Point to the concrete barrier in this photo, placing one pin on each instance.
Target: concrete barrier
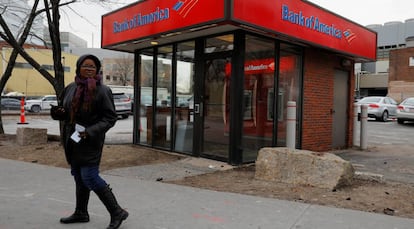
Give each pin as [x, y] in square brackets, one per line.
[31, 136]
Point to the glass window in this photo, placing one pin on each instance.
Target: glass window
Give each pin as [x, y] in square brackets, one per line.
[47, 67]
[219, 43]
[184, 110]
[162, 131]
[23, 65]
[145, 104]
[259, 68]
[290, 80]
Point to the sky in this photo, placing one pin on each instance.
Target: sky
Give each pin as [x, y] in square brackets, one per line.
[367, 12]
[84, 19]
[86, 22]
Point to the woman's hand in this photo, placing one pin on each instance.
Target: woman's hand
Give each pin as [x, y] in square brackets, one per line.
[83, 134]
[58, 112]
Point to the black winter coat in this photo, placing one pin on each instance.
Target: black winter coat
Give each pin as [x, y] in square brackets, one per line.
[101, 117]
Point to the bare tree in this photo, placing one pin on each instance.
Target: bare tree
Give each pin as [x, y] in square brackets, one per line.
[16, 41]
[12, 59]
[124, 68]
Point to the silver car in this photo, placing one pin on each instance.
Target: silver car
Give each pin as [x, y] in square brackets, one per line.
[405, 111]
[10, 104]
[379, 107]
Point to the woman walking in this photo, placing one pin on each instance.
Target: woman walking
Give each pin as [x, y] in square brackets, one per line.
[88, 112]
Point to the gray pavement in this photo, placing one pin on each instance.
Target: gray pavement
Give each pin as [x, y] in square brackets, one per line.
[35, 196]
[394, 162]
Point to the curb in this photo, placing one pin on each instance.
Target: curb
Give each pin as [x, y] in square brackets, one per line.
[367, 176]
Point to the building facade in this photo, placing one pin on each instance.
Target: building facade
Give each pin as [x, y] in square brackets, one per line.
[117, 69]
[214, 78]
[401, 74]
[27, 80]
[68, 41]
[387, 76]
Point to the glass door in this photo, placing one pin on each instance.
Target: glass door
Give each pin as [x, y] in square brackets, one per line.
[214, 108]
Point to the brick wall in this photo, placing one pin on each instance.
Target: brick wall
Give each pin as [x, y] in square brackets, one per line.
[319, 70]
[401, 74]
[399, 69]
[399, 90]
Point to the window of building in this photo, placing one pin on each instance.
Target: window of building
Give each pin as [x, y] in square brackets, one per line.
[145, 114]
[163, 111]
[115, 67]
[219, 43]
[411, 61]
[290, 81]
[259, 72]
[48, 67]
[184, 105]
[23, 65]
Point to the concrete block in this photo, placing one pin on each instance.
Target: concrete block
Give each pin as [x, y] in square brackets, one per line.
[31, 136]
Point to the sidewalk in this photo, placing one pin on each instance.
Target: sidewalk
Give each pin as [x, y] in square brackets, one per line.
[35, 196]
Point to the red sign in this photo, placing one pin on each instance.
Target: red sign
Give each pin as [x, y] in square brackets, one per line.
[295, 19]
[307, 22]
[264, 66]
[151, 17]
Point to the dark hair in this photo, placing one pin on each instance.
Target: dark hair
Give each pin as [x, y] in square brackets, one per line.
[88, 56]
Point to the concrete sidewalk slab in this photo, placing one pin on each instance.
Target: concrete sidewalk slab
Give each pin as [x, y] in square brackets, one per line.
[188, 166]
[35, 196]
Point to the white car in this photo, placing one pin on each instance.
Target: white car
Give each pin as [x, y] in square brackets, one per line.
[405, 111]
[44, 103]
[122, 104]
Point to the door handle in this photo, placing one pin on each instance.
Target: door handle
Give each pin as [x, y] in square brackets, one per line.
[197, 108]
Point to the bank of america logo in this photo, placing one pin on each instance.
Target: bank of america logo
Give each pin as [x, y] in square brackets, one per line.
[183, 7]
[349, 35]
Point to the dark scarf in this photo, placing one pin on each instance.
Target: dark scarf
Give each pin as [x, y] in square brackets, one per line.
[84, 93]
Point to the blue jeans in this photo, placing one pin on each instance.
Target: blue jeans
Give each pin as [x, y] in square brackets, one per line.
[88, 176]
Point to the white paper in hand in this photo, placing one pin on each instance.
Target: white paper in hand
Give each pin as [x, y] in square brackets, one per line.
[75, 136]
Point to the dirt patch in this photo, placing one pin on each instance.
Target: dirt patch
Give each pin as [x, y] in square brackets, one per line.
[114, 156]
[389, 198]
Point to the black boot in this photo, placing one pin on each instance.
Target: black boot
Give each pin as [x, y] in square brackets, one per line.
[117, 213]
[81, 212]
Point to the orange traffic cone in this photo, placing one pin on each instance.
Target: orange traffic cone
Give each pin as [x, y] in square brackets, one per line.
[22, 117]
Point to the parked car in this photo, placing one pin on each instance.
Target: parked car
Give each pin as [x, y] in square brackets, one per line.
[43, 103]
[405, 111]
[10, 104]
[122, 104]
[379, 107]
